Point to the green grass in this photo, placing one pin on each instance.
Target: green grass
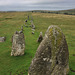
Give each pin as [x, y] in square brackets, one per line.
[10, 65]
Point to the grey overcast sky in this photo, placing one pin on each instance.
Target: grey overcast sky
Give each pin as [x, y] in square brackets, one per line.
[24, 5]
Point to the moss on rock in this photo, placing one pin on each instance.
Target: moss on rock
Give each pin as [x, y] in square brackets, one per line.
[52, 56]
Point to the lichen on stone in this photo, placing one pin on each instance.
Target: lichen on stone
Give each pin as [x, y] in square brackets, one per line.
[52, 54]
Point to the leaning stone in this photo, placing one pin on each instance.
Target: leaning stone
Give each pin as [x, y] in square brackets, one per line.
[52, 56]
[40, 37]
[18, 44]
[2, 39]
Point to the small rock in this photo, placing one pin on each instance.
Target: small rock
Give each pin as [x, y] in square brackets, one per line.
[26, 26]
[16, 32]
[20, 31]
[33, 29]
[33, 26]
[32, 32]
[2, 39]
[25, 20]
[40, 37]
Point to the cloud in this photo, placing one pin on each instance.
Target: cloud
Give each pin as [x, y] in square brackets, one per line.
[36, 4]
[11, 2]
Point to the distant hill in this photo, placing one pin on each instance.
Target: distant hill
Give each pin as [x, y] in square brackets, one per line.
[67, 12]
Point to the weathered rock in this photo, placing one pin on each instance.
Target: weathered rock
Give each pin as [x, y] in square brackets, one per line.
[21, 31]
[33, 29]
[2, 39]
[52, 56]
[25, 20]
[32, 32]
[40, 37]
[33, 26]
[18, 44]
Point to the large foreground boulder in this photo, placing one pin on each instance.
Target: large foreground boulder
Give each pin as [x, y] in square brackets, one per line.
[18, 44]
[52, 56]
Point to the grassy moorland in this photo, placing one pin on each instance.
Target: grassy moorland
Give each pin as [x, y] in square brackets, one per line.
[12, 21]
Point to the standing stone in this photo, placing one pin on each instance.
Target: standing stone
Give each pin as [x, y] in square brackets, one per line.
[18, 44]
[40, 37]
[32, 25]
[52, 56]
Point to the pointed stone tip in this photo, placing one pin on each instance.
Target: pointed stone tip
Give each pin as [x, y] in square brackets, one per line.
[54, 27]
[55, 34]
[53, 30]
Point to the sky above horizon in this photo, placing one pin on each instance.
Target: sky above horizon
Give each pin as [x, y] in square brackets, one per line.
[25, 5]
